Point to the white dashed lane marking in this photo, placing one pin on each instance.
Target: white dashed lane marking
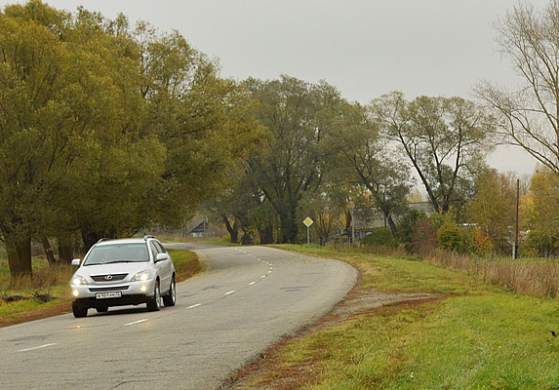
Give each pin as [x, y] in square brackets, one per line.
[34, 348]
[135, 322]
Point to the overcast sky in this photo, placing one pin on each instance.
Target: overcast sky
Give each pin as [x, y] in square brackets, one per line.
[365, 48]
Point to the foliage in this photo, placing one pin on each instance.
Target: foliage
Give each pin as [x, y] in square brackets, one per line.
[543, 217]
[423, 237]
[480, 243]
[299, 116]
[451, 237]
[382, 236]
[326, 214]
[444, 139]
[366, 160]
[407, 228]
[493, 207]
[200, 118]
[106, 131]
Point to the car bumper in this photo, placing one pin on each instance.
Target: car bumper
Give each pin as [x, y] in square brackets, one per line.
[133, 293]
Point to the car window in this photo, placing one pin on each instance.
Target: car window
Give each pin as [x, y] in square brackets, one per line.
[116, 253]
[160, 248]
[153, 250]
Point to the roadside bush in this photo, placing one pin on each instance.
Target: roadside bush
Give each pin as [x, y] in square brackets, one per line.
[480, 243]
[451, 237]
[423, 237]
[542, 244]
[407, 227]
[380, 237]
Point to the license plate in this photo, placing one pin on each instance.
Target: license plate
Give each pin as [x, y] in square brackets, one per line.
[106, 295]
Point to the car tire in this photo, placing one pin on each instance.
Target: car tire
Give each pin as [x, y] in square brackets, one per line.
[154, 303]
[102, 309]
[171, 298]
[79, 312]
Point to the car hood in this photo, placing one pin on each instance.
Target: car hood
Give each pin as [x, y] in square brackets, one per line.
[115, 268]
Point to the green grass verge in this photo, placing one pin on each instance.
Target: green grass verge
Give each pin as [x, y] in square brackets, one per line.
[187, 264]
[478, 337]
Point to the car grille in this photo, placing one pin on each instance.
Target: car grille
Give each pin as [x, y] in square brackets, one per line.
[109, 277]
[103, 289]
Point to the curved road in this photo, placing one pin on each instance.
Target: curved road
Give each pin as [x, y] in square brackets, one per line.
[247, 300]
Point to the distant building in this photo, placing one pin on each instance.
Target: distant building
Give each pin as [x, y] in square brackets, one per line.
[199, 231]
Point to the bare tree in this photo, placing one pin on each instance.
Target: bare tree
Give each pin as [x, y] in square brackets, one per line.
[446, 141]
[529, 117]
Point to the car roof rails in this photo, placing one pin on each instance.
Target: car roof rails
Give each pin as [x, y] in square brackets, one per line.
[148, 236]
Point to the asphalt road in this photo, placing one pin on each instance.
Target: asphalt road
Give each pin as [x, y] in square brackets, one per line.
[247, 300]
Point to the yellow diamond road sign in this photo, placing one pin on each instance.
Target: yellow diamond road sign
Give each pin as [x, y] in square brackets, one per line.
[308, 222]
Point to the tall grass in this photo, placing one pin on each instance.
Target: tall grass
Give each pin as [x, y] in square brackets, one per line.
[535, 277]
[527, 276]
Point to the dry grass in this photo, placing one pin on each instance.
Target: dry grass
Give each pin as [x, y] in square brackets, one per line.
[534, 277]
[43, 277]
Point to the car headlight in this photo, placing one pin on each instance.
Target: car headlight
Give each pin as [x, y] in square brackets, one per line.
[141, 276]
[78, 280]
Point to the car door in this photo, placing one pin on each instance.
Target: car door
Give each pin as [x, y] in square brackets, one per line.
[163, 267]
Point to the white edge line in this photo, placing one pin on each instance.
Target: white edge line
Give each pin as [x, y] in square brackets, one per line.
[135, 322]
[193, 306]
[40, 346]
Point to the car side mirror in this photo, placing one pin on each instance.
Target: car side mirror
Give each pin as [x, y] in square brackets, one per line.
[161, 257]
[76, 262]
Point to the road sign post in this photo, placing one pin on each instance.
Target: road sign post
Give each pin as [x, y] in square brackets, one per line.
[308, 222]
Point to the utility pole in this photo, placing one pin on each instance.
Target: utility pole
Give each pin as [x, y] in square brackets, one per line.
[515, 247]
[353, 226]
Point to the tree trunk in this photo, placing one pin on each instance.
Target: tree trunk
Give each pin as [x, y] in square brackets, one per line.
[392, 225]
[266, 235]
[233, 231]
[246, 239]
[89, 239]
[65, 249]
[288, 225]
[47, 248]
[19, 256]
[284, 229]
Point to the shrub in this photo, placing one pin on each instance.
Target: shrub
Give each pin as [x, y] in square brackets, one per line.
[423, 237]
[541, 243]
[450, 237]
[480, 243]
[407, 226]
[380, 237]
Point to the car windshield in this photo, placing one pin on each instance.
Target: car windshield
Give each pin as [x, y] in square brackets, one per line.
[117, 253]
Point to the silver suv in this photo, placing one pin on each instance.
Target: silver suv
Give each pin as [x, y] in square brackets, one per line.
[123, 272]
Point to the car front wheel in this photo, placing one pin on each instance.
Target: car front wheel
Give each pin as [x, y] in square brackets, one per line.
[154, 303]
[171, 298]
[79, 312]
